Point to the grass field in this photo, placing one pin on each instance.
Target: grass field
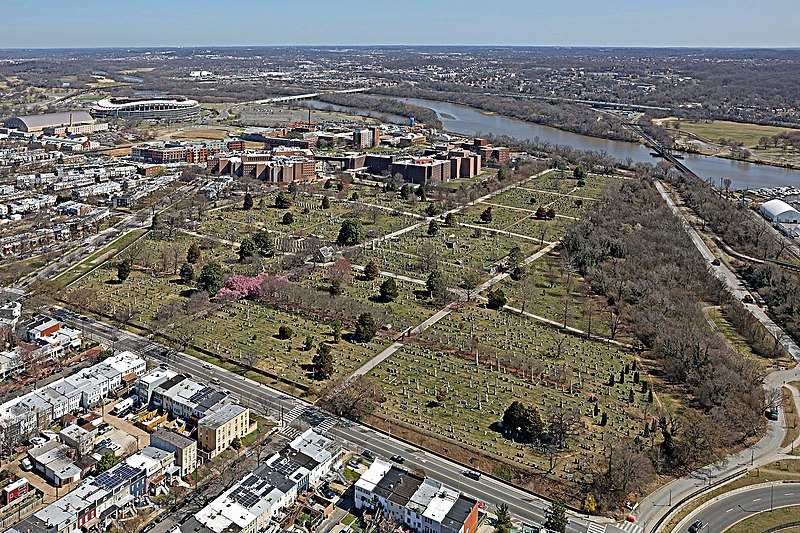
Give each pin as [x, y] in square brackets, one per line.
[201, 134]
[714, 130]
[768, 519]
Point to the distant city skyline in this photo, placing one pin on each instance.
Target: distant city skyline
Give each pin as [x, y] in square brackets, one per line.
[612, 23]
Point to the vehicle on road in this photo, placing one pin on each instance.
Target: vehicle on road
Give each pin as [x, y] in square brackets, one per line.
[368, 454]
[208, 366]
[398, 459]
[715, 262]
[696, 526]
[472, 474]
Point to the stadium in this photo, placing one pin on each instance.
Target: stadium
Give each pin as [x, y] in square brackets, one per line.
[152, 109]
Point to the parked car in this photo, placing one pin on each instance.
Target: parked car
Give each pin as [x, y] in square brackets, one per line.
[148, 527]
[353, 464]
[696, 526]
[715, 262]
[26, 464]
[398, 459]
[38, 441]
[368, 454]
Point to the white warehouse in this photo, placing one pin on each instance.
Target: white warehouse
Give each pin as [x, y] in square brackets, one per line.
[779, 211]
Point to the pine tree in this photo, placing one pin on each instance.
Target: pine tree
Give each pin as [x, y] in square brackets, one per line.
[556, 517]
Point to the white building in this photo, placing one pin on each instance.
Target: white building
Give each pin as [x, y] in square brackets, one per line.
[779, 211]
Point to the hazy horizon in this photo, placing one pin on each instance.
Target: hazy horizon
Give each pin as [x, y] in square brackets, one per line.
[46, 24]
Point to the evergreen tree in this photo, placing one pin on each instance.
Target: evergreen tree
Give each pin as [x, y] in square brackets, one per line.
[264, 243]
[388, 290]
[436, 285]
[486, 216]
[187, 272]
[555, 518]
[497, 299]
[450, 220]
[123, 270]
[193, 254]
[248, 202]
[433, 228]
[323, 362]
[326, 203]
[288, 219]
[366, 328]
[350, 233]
[247, 250]
[211, 279]
[504, 523]
[371, 271]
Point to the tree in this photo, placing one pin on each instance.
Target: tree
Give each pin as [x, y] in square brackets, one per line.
[247, 250]
[351, 233]
[504, 523]
[335, 288]
[555, 518]
[326, 202]
[248, 201]
[523, 421]
[388, 290]
[193, 254]
[551, 214]
[283, 201]
[579, 172]
[450, 220]
[264, 243]
[433, 228]
[469, 282]
[211, 279]
[123, 271]
[187, 273]
[497, 299]
[541, 213]
[436, 285]
[515, 256]
[366, 328]
[355, 400]
[108, 460]
[323, 362]
[336, 330]
[486, 216]
[288, 219]
[285, 332]
[371, 271]
[309, 343]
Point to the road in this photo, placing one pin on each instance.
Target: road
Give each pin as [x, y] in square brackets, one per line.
[283, 407]
[766, 450]
[729, 508]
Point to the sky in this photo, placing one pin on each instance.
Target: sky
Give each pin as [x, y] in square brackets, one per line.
[170, 23]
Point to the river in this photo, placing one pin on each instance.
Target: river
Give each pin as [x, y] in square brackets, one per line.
[469, 121]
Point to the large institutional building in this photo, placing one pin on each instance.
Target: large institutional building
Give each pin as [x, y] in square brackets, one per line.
[71, 122]
[177, 108]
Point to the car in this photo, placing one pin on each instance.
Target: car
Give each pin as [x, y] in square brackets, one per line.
[162, 517]
[208, 366]
[715, 262]
[26, 464]
[353, 464]
[472, 474]
[398, 459]
[266, 441]
[38, 441]
[148, 527]
[696, 526]
[215, 381]
[368, 454]
[481, 505]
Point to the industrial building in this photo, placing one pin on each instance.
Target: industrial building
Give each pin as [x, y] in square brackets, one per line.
[69, 122]
[168, 109]
[780, 212]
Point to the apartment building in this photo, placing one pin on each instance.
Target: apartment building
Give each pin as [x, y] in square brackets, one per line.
[216, 431]
[184, 448]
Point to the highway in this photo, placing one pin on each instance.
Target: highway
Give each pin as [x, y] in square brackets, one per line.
[727, 509]
[280, 406]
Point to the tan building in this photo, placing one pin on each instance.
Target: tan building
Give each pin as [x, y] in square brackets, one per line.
[218, 430]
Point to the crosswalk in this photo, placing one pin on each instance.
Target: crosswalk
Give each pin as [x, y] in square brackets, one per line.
[627, 527]
[326, 425]
[292, 415]
[596, 528]
[290, 432]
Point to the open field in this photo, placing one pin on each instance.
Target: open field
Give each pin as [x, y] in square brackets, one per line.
[216, 134]
[714, 130]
